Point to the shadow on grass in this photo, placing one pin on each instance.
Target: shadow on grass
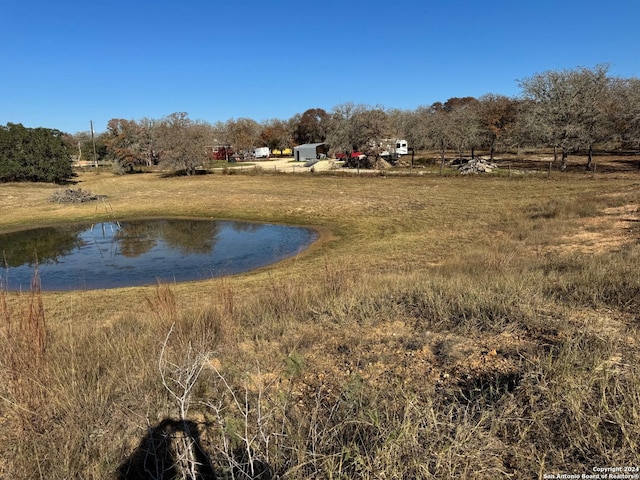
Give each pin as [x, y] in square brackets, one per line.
[173, 449]
[161, 454]
[184, 173]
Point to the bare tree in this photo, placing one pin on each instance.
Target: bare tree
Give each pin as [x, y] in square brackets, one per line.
[129, 143]
[633, 103]
[358, 128]
[183, 142]
[371, 127]
[340, 131]
[399, 123]
[463, 128]
[243, 134]
[431, 129]
[624, 111]
[568, 105]
[443, 126]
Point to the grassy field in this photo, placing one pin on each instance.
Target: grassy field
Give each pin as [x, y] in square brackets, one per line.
[443, 327]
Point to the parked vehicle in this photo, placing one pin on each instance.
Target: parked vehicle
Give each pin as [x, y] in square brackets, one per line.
[394, 148]
[344, 156]
[261, 152]
[285, 152]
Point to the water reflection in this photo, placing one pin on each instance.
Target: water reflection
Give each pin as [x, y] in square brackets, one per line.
[43, 245]
[191, 237]
[136, 238]
[139, 252]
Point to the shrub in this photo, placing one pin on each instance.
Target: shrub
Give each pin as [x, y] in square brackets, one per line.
[33, 155]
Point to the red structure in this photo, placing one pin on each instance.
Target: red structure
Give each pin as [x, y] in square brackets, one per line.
[220, 152]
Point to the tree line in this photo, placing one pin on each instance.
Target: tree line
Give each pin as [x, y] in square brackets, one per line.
[566, 110]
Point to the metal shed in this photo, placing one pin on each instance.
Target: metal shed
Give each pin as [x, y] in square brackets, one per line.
[310, 151]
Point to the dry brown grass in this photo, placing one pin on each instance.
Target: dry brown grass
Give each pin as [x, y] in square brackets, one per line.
[444, 327]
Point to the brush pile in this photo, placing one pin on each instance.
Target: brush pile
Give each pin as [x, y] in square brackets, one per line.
[69, 195]
[477, 165]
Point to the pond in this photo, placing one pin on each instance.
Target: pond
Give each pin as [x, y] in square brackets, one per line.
[143, 252]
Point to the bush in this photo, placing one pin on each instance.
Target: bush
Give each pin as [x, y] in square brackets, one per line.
[33, 155]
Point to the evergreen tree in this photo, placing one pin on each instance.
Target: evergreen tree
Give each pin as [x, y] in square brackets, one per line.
[33, 155]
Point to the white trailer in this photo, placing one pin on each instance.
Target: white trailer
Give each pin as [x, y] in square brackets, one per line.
[393, 148]
[261, 152]
[402, 148]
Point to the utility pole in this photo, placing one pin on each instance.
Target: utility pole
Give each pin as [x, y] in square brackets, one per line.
[93, 140]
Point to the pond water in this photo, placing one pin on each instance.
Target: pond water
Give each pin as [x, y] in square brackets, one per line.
[143, 252]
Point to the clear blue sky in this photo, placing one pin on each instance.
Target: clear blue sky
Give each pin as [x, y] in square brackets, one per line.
[66, 62]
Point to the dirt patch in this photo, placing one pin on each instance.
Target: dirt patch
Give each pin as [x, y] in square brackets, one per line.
[282, 165]
[392, 354]
[616, 227]
[602, 163]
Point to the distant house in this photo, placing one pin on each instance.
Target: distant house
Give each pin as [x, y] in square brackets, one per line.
[310, 151]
